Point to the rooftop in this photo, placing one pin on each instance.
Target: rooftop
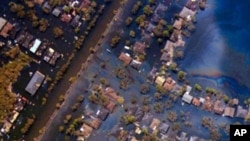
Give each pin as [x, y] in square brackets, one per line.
[126, 59]
[2, 22]
[187, 98]
[35, 83]
[229, 111]
[139, 47]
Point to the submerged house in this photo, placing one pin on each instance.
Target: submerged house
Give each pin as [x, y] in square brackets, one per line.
[125, 58]
[35, 83]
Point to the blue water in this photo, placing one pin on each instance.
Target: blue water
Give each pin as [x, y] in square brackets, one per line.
[219, 51]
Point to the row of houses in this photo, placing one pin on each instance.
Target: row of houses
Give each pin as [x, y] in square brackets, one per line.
[137, 50]
[37, 47]
[94, 118]
[7, 124]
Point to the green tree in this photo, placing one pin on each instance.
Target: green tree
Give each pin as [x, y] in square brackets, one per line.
[132, 33]
[58, 32]
[147, 10]
[197, 87]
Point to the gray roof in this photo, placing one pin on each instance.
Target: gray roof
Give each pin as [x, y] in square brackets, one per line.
[187, 98]
[241, 113]
[2, 22]
[164, 128]
[56, 12]
[35, 82]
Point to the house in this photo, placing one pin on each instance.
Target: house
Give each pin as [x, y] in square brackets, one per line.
[39, 1]
[110, 106]
[66, 18]
[196, 102]
[94, 122]
[175, 35]
[188, 89]
[75, 21]
[150, 27]
[85, 131]
[152, 74]
[2, 22]
[13, 118]
[47, 7]
[235, 101]
[6, 29]
[139, 114]
[168, 45]
[218, 107]
[102, 114]
[160, 9]
[6, 127]
[183, 136]
[125, 58]
[169, 84]
[160, 80]
[187, 98]
[48, 54]
[208, 104]
[178, 24]
[195, 138]
[35, 45]
[164, 128]
[135, 64]
[165, 57]
[85, 4]
[186, 13]
[192, 4]
[28, 40]
[15, 30]
[134, 139]
[229, 111]
[241, 113]
[111, 94]
[139, 48]
[57, 11]
[54, 58]
[35, 83]
[155, 124]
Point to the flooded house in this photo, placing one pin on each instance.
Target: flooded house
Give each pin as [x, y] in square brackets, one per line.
[219, 107]
[139, 48]
[35, 83]
[169, 84]
[6, 29]
[125, 58]
[241, 112]
[229, 112]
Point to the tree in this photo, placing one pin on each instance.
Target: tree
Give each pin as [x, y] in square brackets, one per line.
[93, 4]
[202, 5]
[132, 33]
[133, 100]
[128, 119]
[147, 10]
[157, 96]
[181, 75]
[151, 2]
[58, 32]
[80, 98]
[61, 128]
[115, 40]
[197, 87]
[165, 33]
[225, 98]
[173, 66]
[176, 127]
[172, 116]
[140, 19]
[144, 89]
[128, 21]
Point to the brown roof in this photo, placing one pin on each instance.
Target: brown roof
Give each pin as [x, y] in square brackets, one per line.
[66, 18]
[218, 107]
[155, 123]
[125, 58]
[111, 93]
[85, 4]
[139, 47]
[229, 111]
[196, 102]
[110, 106]
[178, 24]
[95, 123]
[208, 104]
[6, 29]
[169, 84]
